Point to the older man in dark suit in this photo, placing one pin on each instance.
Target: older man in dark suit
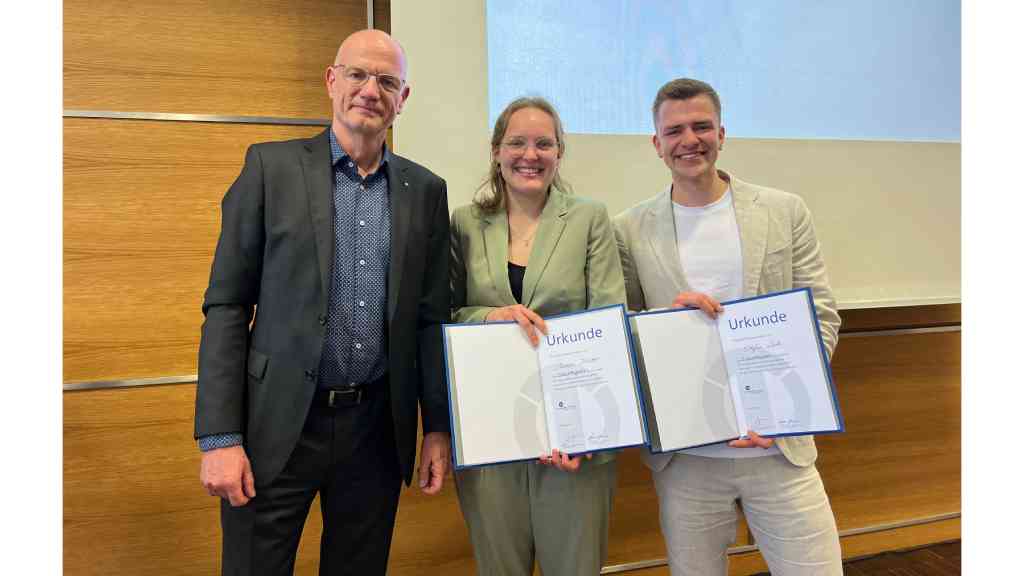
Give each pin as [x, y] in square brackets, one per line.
[322, 333]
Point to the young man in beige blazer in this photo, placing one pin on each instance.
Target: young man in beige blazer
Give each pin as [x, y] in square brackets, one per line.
[706, 238]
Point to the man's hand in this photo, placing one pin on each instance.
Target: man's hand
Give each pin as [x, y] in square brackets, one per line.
[434, 459]
[225, 472]
[528, 320]
[563, 462]
[754, 441]
[709, 305]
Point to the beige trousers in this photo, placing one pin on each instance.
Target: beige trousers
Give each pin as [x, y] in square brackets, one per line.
[524, 510]
[785, 506]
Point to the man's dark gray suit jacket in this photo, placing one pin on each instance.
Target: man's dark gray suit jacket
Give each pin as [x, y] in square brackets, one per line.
[257, 375]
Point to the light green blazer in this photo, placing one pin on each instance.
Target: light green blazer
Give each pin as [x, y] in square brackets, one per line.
[574, 263]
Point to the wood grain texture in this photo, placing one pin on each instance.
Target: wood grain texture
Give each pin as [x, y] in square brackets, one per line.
[382, 15]
[900, 317]
[900, 454]
[133, 501]
[259, 58]
[141, 218]
[853, 547]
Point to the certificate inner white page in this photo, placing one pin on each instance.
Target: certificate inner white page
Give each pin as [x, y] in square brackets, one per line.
[686, 378]
[775, 366]
[497, 385]
[587, 381]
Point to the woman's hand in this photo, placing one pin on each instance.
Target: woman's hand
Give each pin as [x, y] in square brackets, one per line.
[531, 323]
[753, 440]
[563, 461]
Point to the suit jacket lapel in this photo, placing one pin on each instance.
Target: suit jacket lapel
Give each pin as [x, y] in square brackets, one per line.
[400, 199]
[549, 231]
[662, 224]
[752, 221]
[316, 166]
[495, 233]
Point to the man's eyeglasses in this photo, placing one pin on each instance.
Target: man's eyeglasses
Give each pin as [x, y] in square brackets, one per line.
[358, 76]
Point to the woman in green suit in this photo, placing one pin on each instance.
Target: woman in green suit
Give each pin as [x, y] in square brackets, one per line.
[524, 249]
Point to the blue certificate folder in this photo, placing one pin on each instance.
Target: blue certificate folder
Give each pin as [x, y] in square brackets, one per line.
[578, 391]
[760, 366]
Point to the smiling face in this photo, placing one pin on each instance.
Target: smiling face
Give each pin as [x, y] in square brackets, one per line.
[688, 138]
[366, 110]
[529, 152]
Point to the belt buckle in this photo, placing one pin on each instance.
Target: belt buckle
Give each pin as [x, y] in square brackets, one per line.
[345, 397]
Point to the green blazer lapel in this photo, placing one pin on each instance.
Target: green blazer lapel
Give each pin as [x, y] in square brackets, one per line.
[400, 200]
[753, 223]
[552, 223]
[495, 233]
[316, 166]
[661, 224]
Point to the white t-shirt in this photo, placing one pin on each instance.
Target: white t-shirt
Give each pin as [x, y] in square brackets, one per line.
[708, 240]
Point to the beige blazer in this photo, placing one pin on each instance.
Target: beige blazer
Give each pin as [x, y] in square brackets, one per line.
[780, 252]
[574, 263]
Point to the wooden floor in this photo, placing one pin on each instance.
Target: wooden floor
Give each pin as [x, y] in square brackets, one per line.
[941, 559]
[935, 560]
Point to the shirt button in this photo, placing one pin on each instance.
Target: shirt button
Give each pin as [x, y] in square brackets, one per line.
[362, 303]
[362, 187]
[362, 262]
[359, 346]
[362, 222]
[350, 164]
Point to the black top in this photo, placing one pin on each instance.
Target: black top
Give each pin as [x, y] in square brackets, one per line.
[515, 280]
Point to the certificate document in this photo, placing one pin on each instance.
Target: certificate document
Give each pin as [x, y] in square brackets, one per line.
[760, 366]
[577, 391]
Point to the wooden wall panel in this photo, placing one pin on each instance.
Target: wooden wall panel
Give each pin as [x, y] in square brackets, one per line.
[900, 317]
[382, 15]
[141, 218]
[133, 501]
[259, 57]
[900, 455]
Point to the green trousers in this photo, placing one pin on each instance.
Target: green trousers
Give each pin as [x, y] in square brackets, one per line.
[523, 511]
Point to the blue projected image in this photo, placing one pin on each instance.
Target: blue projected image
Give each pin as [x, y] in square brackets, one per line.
[828, 69]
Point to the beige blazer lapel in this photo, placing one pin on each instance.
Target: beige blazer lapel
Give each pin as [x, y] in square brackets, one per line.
[752, 221]
[495, 234]
[661, 222]
[549, 231]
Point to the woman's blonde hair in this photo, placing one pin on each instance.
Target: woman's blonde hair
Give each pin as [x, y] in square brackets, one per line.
[491, 195]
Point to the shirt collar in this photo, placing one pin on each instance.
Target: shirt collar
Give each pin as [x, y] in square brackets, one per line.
[338, 153]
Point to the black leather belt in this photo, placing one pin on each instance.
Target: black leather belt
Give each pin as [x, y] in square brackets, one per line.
[347, 396]
[340, 398]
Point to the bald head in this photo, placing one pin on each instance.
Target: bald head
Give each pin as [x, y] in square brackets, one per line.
[367, 87]
[371, 43]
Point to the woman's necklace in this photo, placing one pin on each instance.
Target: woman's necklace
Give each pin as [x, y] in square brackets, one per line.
[517, 237]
